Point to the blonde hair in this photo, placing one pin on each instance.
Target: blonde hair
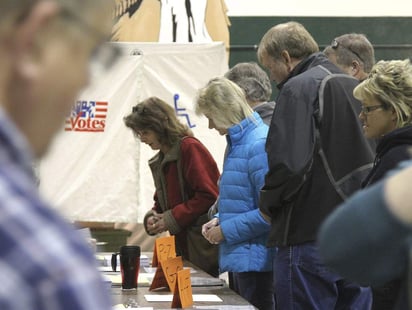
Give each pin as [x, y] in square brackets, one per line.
[390, 82]
[224, 102]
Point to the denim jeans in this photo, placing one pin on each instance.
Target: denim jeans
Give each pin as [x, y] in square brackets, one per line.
[255, 287]
[302, 282]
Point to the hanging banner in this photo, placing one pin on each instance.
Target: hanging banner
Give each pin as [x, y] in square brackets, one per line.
[96, 170]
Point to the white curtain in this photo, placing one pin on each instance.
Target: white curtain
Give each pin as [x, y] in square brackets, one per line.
[96, 170]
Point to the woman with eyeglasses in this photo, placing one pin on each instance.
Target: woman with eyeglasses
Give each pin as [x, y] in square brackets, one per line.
[386, 114]
[185, 177]
[386, 96]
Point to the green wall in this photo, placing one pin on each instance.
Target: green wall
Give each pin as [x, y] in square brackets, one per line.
[391, 36]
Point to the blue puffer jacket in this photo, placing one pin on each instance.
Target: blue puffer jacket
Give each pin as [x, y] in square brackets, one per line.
[244, 229]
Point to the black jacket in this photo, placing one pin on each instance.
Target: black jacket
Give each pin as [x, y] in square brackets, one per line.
[265, 111]
[391, 150]
[299, 190]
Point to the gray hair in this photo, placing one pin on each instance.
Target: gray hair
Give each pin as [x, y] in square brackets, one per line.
[291, 37]
[348, 47]
[252, 79]
[390, 82]
[224, 102]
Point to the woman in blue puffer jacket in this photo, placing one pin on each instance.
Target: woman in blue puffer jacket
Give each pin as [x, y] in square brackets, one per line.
[239, 228]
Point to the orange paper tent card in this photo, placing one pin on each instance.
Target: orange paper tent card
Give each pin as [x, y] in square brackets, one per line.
[166, 273]
[182, 296]
[164, 248]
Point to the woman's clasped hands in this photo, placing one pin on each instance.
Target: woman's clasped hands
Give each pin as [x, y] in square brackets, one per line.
[212, 231]
[156, 224]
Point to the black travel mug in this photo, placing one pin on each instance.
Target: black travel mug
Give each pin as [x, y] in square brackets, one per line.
[129, 265]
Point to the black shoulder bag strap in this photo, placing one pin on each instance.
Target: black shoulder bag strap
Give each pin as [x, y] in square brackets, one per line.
[318, 114]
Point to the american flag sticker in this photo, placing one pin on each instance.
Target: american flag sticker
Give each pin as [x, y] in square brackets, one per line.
[87, 116]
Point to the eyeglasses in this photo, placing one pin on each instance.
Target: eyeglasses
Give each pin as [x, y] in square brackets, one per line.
[105, 55]
[335, 44]
[367, 110]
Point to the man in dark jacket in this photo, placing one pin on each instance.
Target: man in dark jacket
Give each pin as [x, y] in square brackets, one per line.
[317, 157]
[352, 53]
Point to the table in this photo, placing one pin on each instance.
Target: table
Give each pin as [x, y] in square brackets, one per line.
[229, 297]
[202, 283]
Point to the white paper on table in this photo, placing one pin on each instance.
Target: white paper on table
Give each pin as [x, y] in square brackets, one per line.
[105, 268]
[226, 307]
[116, 278]
[196, 297]
[121, 307]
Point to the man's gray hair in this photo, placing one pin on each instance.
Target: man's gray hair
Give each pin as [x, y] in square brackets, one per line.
[252, 79]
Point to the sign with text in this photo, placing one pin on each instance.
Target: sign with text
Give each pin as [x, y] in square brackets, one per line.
[166, 273]
[183, 296]
[164, 248]
[95, 144]
[170, 268]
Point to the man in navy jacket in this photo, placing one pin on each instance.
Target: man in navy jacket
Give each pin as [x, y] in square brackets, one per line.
[317, 157]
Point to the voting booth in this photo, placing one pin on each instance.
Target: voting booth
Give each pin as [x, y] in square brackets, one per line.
[96, 170]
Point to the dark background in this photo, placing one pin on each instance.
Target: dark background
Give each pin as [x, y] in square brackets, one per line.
[390, 36]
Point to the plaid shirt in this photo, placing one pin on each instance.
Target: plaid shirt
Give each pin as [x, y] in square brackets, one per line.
[44, 262]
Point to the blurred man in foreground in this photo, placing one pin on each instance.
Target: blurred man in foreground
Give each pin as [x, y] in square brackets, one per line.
[45, 50]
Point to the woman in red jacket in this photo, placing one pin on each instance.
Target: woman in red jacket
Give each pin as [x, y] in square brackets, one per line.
[185, 177]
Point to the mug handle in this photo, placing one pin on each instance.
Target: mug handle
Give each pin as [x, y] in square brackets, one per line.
[114, 261]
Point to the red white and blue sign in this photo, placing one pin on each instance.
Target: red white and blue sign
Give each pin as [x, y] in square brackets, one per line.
[87, 116]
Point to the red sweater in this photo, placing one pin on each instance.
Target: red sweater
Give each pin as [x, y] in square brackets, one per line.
[201, 174]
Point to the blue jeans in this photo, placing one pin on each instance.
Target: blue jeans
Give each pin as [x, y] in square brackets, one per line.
[302, 282]
[255, 287]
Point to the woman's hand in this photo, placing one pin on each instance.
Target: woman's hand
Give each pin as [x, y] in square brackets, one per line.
[156, 224]
[207, 226]
[212, 231]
